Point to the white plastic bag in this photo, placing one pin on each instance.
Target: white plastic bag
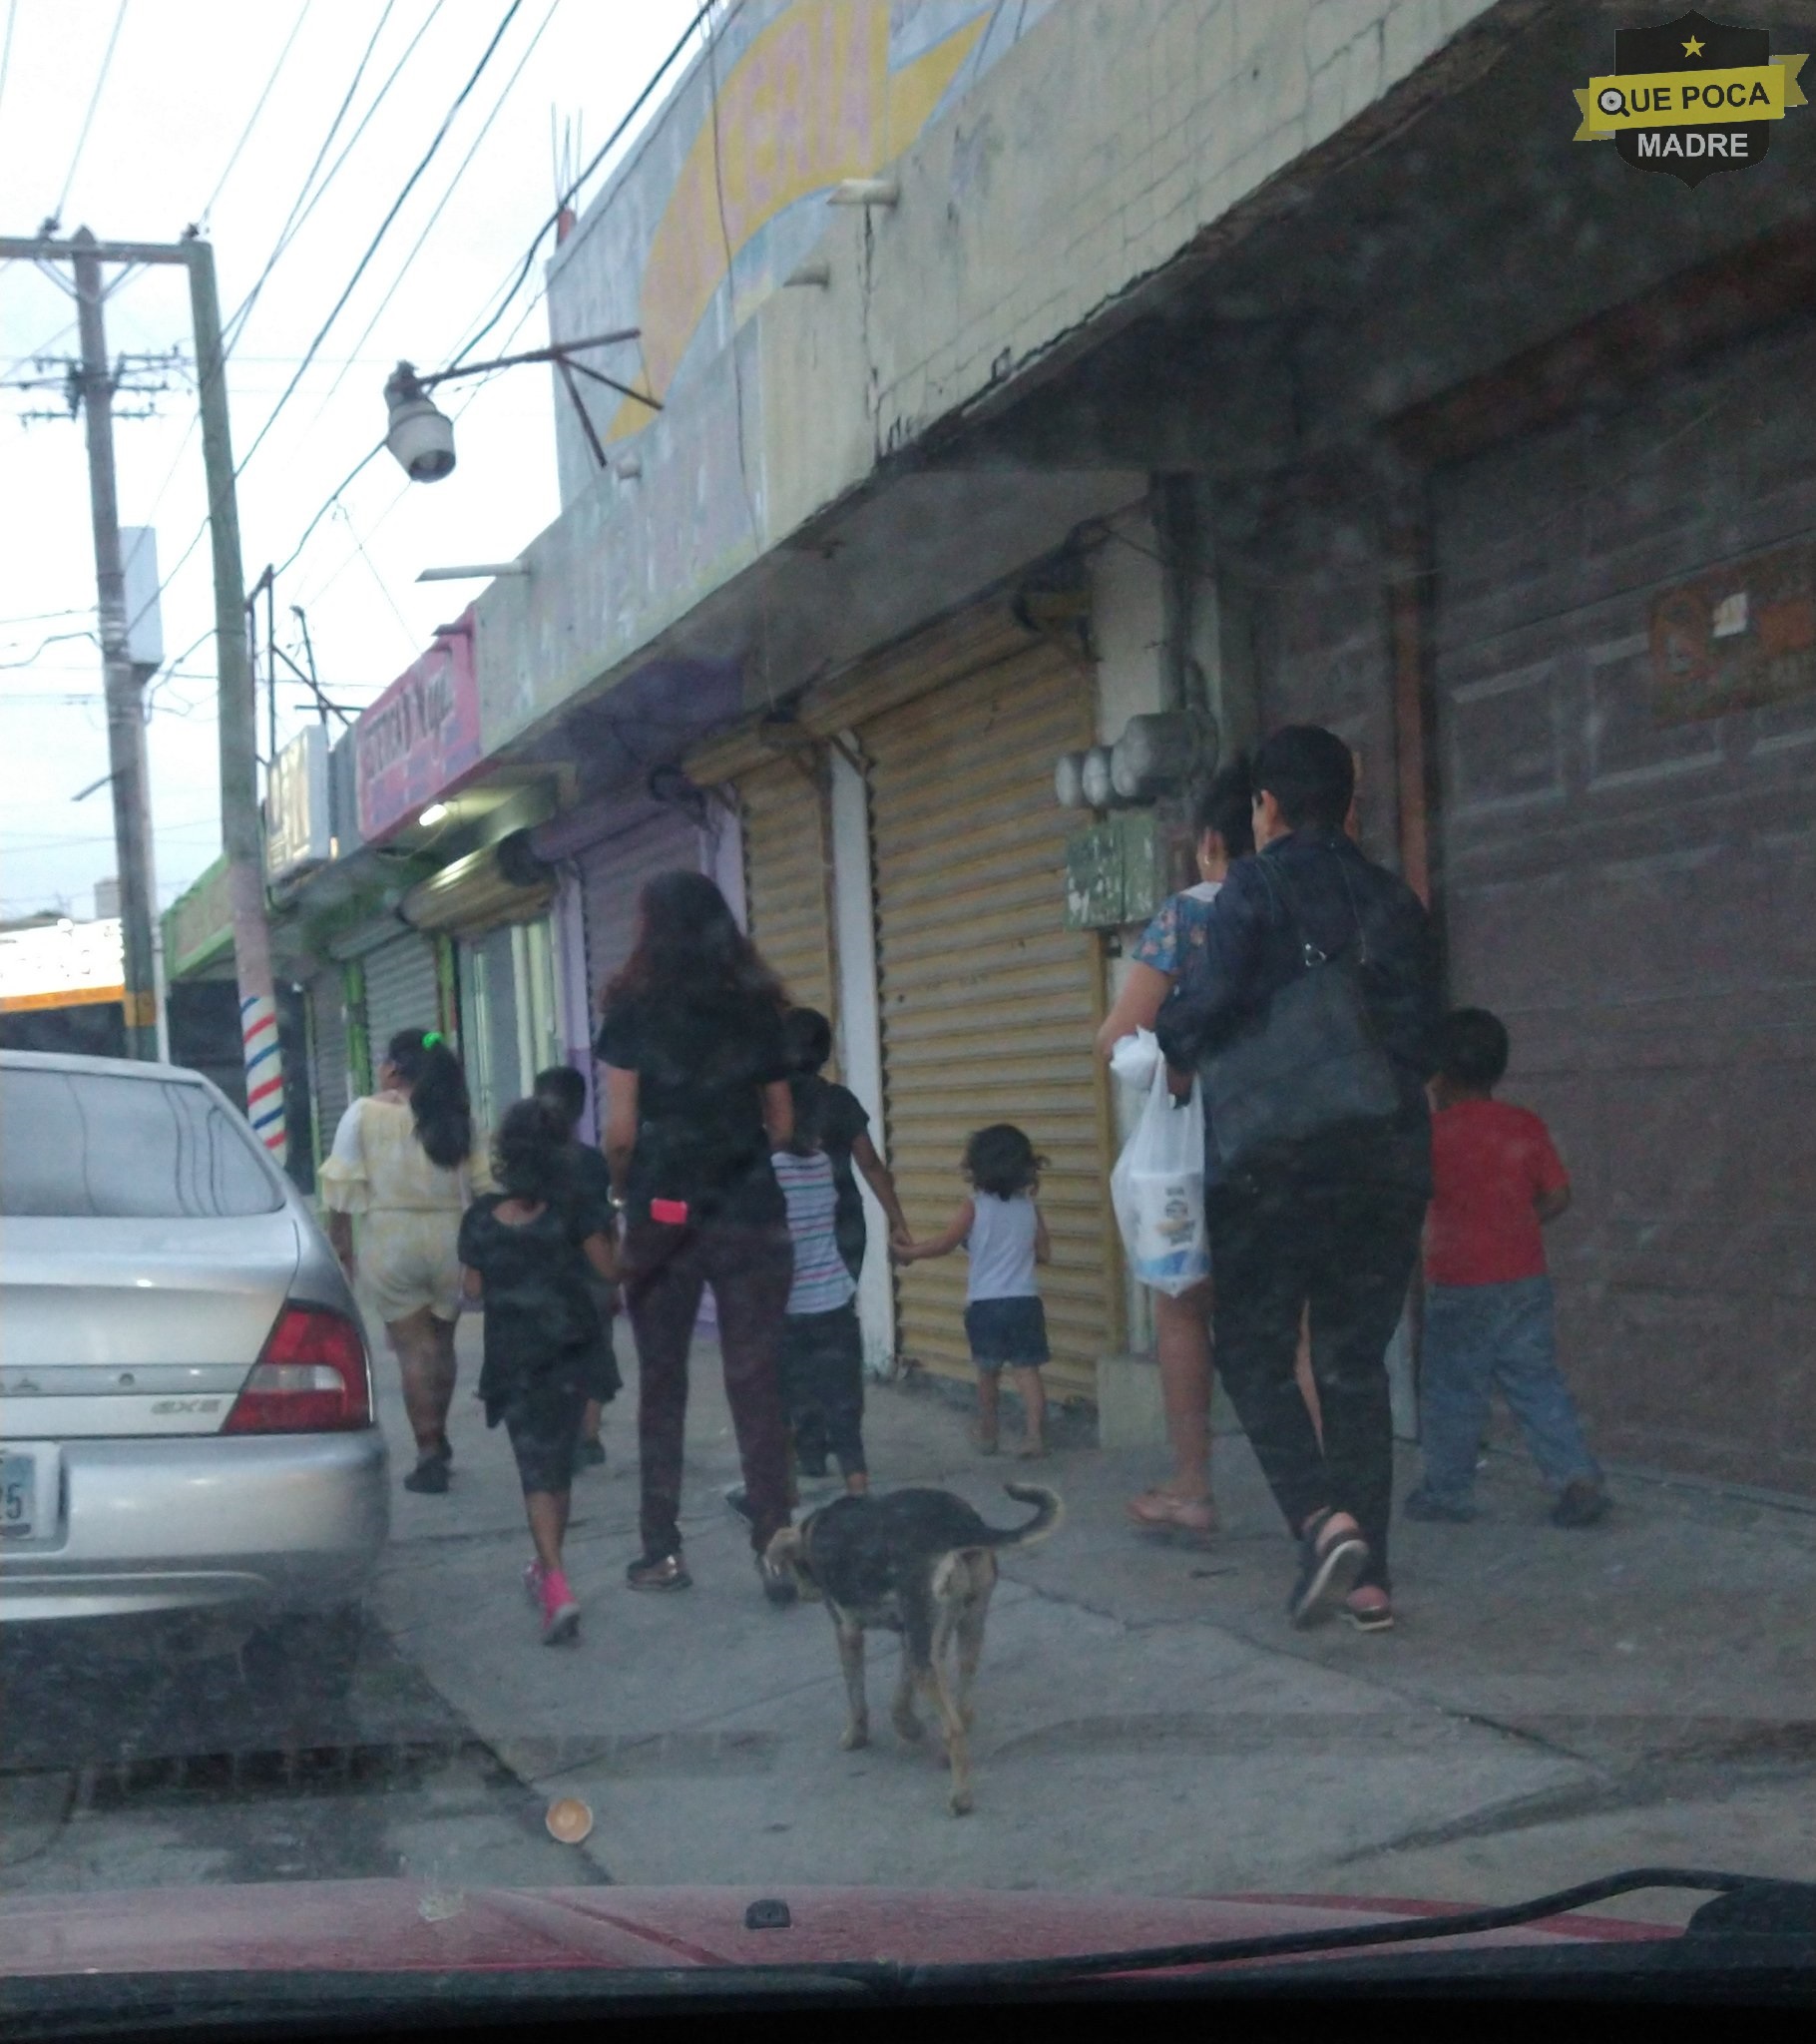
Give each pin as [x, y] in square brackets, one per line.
[1136, 1058]
[1158, 1190]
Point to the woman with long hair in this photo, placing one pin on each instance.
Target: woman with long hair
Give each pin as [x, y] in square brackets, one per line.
[406, 1163]
[696, 1100]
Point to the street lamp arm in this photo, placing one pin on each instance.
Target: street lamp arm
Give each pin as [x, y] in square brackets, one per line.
[421, 436]
[535, 355]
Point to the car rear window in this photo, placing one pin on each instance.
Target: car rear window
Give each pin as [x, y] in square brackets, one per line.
[83, 1143]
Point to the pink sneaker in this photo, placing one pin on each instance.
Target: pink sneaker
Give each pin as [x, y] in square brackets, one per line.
[560, 1610]
[533, 1584]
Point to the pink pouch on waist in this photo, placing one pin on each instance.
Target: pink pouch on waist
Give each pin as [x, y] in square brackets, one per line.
[670, 1213]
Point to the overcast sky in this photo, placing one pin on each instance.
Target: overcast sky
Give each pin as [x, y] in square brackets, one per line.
[176, 102]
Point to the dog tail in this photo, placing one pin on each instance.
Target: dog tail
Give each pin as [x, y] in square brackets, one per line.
[1051, 1511]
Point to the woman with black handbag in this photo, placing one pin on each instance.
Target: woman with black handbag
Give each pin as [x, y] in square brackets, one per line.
[1307, 1011]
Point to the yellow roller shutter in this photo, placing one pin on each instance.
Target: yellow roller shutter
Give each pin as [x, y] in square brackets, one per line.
[788, 876]
[988, 1004]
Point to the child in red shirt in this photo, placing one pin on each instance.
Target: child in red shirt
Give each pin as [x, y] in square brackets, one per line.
[1489, 1321]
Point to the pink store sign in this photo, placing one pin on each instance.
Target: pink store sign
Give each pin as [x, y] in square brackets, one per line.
[421, 738]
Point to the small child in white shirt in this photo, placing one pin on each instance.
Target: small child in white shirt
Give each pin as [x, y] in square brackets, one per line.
[1003, 1233]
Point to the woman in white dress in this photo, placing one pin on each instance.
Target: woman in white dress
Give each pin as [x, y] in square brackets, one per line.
[406, 1164]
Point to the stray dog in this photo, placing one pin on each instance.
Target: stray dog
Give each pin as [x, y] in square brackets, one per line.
[923, 1564]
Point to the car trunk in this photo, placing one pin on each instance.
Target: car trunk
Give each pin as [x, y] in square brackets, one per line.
[136, 1327]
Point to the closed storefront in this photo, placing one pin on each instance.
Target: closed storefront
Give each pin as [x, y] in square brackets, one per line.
[787, 877]
[331, 1055]
[988, 1003]
[950, 852]
[401, 989]
[1625, 676]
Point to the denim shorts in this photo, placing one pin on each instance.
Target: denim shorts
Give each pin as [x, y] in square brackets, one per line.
[1010, 1332]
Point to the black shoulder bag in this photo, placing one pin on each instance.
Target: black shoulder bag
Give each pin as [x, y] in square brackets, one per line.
[1311, 1064]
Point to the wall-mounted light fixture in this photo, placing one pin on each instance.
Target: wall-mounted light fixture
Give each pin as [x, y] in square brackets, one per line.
[808, 274]
[627, 467]
[865, 191]
[480, 571]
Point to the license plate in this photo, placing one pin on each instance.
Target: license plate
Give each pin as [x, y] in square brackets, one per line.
[18, 1496]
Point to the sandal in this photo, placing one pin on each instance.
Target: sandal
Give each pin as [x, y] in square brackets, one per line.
[1369, 1609]
[1328, 1570]
[1159, 1511]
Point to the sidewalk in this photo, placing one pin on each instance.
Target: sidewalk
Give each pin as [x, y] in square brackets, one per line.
[1553, 1705]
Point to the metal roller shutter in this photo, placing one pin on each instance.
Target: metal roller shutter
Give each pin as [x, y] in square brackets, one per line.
[788, 876]
[988, 1004]
[612, 876]
[331, 1074]
[1627, 884]
[402, 990]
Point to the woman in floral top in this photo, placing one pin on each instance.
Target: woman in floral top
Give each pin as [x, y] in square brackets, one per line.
[1224, 830]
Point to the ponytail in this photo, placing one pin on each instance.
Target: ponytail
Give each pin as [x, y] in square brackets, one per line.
[438, 1094]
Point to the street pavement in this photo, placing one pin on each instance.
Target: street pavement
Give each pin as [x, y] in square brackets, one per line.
[1553, 1706]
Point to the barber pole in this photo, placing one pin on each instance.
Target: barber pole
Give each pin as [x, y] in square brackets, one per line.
[264, 1075]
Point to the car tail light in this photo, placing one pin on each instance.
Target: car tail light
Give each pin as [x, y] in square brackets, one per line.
[312, 1377]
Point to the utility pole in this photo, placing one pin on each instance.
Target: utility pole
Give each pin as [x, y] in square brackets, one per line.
[125, 705]
[239, 821]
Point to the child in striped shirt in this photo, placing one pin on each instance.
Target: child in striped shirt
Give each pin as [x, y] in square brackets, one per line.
[821, 1355]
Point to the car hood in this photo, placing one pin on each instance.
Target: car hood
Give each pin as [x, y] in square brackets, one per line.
[391, 1926]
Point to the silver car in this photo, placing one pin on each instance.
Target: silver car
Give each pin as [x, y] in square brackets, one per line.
[185, 1396]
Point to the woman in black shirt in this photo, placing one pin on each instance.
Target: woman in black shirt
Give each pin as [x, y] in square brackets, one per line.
[696, 1099]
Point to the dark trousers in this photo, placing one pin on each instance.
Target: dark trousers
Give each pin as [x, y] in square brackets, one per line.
[1348, 1251]
[751, 1269]
[813, 1440]
[822, 1371]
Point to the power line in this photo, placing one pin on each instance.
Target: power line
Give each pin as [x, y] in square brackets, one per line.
[252, 118]
[55, 639]
[428, 226]
[243, 312]
[488, 320]
[299, 213]
[384, 226]
[384, 588]
[599, 156]
[6, 48]
[88, 118]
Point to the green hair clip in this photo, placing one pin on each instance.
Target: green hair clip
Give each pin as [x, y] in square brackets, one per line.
[430, 1038]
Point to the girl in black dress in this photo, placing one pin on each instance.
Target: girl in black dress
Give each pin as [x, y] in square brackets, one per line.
[528, 1251]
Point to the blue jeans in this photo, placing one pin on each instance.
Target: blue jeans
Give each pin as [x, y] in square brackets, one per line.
[1478, 1336]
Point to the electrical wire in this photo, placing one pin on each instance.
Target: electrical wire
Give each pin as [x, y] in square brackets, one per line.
[88, 118]
[246, 134]
[384, 588]
[384, 226]
[299, 213]
[488, 320]
[636, 106]
[429, 225]
[6, 48]
[243, 312]
[55, 639]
